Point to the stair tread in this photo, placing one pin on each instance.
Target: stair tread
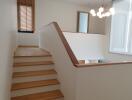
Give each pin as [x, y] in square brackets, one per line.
[46, 55]
[41, 96]
[28, 46]
[33, 63]
[34, 73]
[29, 52]
[26, 85]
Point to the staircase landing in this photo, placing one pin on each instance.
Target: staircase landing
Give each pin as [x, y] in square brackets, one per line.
[30, 51]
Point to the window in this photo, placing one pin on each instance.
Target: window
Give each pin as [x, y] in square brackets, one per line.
[83, 22]
[26, 14]
[121, 33]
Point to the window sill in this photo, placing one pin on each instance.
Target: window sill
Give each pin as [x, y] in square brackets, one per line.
[25, 31]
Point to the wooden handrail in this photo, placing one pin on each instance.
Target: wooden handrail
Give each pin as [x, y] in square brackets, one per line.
[81, 33]
[73, 57]
[66, 45]
[103, 64]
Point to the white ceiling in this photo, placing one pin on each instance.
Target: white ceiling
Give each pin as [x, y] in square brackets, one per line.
[92, 3]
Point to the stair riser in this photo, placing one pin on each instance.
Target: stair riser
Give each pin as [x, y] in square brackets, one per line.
[34, 90]
[30, 59]
[33, 68]
[33, 78]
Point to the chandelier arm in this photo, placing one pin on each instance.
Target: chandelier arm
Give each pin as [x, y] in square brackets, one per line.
[101, 11]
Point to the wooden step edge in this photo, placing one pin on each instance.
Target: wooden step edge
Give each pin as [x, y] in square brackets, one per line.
[28, 46]
[34, 73]
[34, 84]
[49, 55]
[51, 95]
[21, 64]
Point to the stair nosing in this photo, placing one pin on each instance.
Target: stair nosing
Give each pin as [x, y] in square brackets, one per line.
[35, 86]
[53, 72]
[33, 63]
[28, 46]
[33, 56]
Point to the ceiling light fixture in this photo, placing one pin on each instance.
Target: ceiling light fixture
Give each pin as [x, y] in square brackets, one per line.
[101, 13]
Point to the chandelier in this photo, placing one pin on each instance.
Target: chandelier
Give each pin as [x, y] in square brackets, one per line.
[102, 12]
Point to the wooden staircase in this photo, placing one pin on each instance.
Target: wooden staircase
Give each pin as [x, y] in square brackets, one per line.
[34, 76]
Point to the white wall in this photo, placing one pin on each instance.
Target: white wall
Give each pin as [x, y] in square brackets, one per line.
[97, 25]
[64, 13]
[106, 82]
[7, 45]
[111, 82]
[86, 46]
[94, 46]
[27, 39]
[66, 72]
[52, 10]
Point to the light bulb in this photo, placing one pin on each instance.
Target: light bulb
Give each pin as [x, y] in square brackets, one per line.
[98, 14]
[94, 15]
[112, 11]
[107, 14]
[92, 11]
[101, 9]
